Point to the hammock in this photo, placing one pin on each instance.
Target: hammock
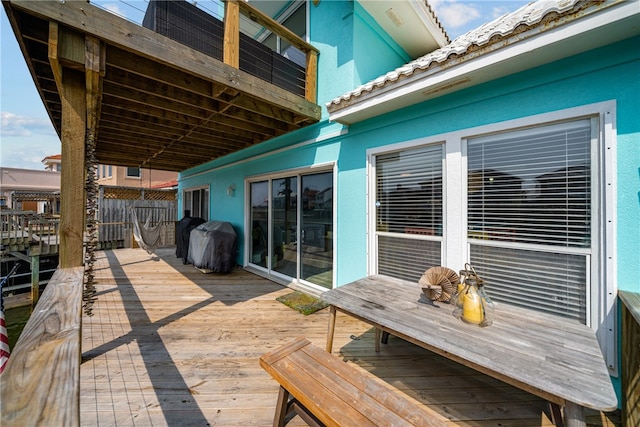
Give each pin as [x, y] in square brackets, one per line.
[148, 237]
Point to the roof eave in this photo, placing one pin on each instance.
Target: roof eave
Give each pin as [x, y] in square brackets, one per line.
[521, 51]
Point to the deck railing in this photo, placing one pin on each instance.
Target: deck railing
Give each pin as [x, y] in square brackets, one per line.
[114, 235]
[44, 234]
[223, 39]
[630, 358]
[232, 40]
[41, 382]
[22, 230]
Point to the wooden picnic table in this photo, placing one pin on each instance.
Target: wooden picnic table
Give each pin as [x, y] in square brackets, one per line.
[554, 358]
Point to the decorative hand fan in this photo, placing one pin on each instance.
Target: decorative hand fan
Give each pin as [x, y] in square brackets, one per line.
[438, 283]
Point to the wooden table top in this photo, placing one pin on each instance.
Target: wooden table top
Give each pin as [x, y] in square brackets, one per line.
[557, 359]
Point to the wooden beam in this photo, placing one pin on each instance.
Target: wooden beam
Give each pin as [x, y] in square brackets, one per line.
[310, 88]
[56, 68]
[72, 176]
[89, 19]
[71, 49]
[231, 54]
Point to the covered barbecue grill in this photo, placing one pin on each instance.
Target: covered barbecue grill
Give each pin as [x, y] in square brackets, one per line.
[213, 246]
[183, 232]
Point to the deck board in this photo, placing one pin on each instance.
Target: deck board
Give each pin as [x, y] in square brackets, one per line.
[170, 346]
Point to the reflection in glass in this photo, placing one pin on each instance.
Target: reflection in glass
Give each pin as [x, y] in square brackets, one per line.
[316, 232]
[259, 223]
[285, 225]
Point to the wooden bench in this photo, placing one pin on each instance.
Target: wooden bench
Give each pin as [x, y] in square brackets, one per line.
[324, 390]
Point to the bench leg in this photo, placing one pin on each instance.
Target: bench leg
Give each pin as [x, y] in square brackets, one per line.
[555, 412]
[332, 328]
[574, 415]
[385, 338]
[281, 408]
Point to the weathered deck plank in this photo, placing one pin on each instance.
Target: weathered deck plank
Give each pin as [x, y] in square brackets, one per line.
[168, 345]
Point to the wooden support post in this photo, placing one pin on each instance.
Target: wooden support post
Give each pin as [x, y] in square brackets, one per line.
[574, 415]
[311, 76]
[72, 178]
[35, 277]
[231, 55]
[71, 87]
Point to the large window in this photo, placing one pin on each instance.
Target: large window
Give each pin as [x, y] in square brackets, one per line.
[294, 18]
[529, 216]
[196, 201]
[291, 222]
[527, 202]
[409, 211]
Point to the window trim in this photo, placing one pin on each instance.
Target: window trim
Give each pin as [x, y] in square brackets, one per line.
[207, 188]
[126, 173]
[372, 232]
[602, 308]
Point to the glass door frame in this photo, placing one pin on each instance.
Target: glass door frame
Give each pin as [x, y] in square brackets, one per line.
[268, 271]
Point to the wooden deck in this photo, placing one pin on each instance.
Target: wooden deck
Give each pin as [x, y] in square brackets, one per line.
[168, 345]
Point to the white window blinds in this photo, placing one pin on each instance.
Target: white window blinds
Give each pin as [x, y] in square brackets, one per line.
[409, 211]
[529, 216]
[409, 191]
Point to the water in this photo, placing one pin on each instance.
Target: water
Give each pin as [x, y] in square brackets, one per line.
[16, 318]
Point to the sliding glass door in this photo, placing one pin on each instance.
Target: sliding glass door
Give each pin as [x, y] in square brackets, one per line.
[285, 225]
[317, 229]
[292, 226]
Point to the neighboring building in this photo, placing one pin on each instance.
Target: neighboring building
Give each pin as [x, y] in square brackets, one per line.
[515, 148]
[120, 176]
[53, 163]
[30, 190]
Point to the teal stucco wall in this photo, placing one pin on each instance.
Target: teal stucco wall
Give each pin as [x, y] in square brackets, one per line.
[605, 74]
[353, 48]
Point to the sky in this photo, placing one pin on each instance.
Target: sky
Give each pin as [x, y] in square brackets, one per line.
[27, 135]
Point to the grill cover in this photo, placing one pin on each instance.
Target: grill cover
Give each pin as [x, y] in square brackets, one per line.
[183, 231]
[213, 245]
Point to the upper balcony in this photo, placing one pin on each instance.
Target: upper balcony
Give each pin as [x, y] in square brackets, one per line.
[180, 90]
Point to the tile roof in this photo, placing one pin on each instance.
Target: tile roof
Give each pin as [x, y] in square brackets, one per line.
[534, 14]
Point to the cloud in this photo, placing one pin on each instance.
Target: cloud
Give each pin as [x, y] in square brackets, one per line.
[26, 140]
[497, 12]
[113, 8]
[15, 125]
[453, 14]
